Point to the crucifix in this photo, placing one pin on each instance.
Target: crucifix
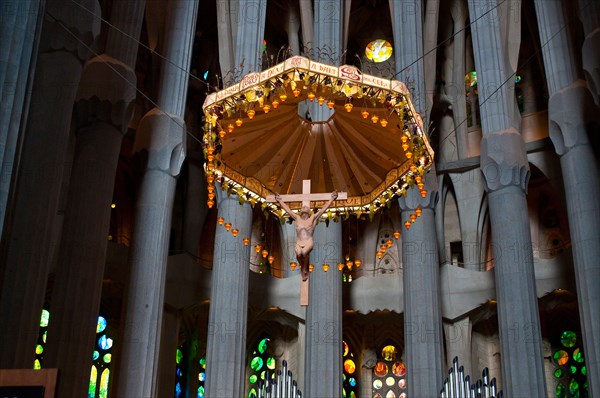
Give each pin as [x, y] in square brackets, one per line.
[305, 226]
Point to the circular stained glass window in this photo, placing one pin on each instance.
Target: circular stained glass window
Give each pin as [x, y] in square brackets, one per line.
[583, 370]
[560, 357]
[380, 369]
[96, 355]
[349, 366]
[201, 392]
[403, 395]
[568, 338]
[107, 358]
[262, 346]
[379, 50]
[390, 394]
[558, 373]
[39, 349]
[271, 363]
[202, 376]
[352, 382]
[101, 325]
[471, 79]
[377, 384]
[256, 364]
[399, 369]
[253, 379]
[577, 356]
[345, 348]
[202, 362]
[389, 353]
[390, 381]
[402, 384]
[106, 342]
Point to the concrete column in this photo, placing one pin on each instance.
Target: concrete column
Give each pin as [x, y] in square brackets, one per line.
[323, 366]
[226, 346]
[251, 16]
[195, 198]
[570, 108]
[423, 343]
[29, 238]
[506, 173]
[457, 91]
[103, 111]
[20, 31]
[287, 237]
[458, 344]
[327, 30]
[292, 27]
[161, 135]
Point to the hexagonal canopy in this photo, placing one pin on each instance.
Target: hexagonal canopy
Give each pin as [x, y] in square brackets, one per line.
[301, 119]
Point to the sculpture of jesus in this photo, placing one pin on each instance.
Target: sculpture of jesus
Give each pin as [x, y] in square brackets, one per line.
[305, 227]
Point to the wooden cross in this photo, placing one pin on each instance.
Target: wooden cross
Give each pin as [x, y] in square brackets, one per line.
[306, 197]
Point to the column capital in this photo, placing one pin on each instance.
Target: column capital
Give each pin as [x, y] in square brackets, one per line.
[413, 198]
[162, 136]
[79, 18]
[504, 160]
[107, 92]
[569, 110]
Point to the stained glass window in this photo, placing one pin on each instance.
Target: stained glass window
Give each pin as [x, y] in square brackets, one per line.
[262, 365]
[389, 374]
[350, 376]
[101, 355]
[201, 377]
[570, 373]
[379, 50]
[179, 372]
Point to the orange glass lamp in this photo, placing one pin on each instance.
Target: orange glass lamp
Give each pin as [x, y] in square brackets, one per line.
[397, 234]
[325, 267]
[220, 220]
[271, 259]
[235, 232]
[340, 266]
[407, 224]
[258, 248]
[293, 265]
[311, 267]
[265, 253]
[251, 113]
[246, 241]
[227, 226]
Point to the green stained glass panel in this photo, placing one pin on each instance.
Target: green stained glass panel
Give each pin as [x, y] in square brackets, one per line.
[95, 355]
[352, 394]
[256, 364]
[263, 374]
[104, 383]
[37, 364]
[107, 358]
[583, 370]
[178, 356]
[572, 369]
[201, 392]
[343, 392]
[44, 336]
[39, 349]
[253, 379]
[577, 355]
[101, 325]
[202, 362]
[558, 373]
[262, 346]
[574, 388]
[252, 393]
[561, 391]
[201, 376]
[271, 363]
[93, 379]
[45, 318]
[568, 338]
